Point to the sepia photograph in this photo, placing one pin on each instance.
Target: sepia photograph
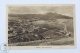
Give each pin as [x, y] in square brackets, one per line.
[41, 25]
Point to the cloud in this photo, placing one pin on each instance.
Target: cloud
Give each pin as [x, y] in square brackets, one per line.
[66, 10]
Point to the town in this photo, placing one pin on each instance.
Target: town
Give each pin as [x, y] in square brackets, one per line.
[24, 31]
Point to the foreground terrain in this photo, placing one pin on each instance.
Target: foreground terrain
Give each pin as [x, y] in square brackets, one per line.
[48, 42]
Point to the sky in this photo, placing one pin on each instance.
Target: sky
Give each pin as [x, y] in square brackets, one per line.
[65, 10]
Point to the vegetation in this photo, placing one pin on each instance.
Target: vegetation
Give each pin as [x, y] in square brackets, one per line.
[47, 29]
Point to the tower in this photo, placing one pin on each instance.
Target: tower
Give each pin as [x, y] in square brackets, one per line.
[65, 27]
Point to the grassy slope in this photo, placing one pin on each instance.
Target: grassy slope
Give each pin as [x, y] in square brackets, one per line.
[49, 42]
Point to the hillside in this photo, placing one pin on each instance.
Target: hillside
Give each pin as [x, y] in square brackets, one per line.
[48, 15]
[49, 42]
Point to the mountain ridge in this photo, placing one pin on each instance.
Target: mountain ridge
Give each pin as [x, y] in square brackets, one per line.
[48, 15]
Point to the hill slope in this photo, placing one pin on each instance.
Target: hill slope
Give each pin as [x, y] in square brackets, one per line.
[45, 16]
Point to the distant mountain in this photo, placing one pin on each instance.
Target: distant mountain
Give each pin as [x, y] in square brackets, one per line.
[48, 15]
[56, 15]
